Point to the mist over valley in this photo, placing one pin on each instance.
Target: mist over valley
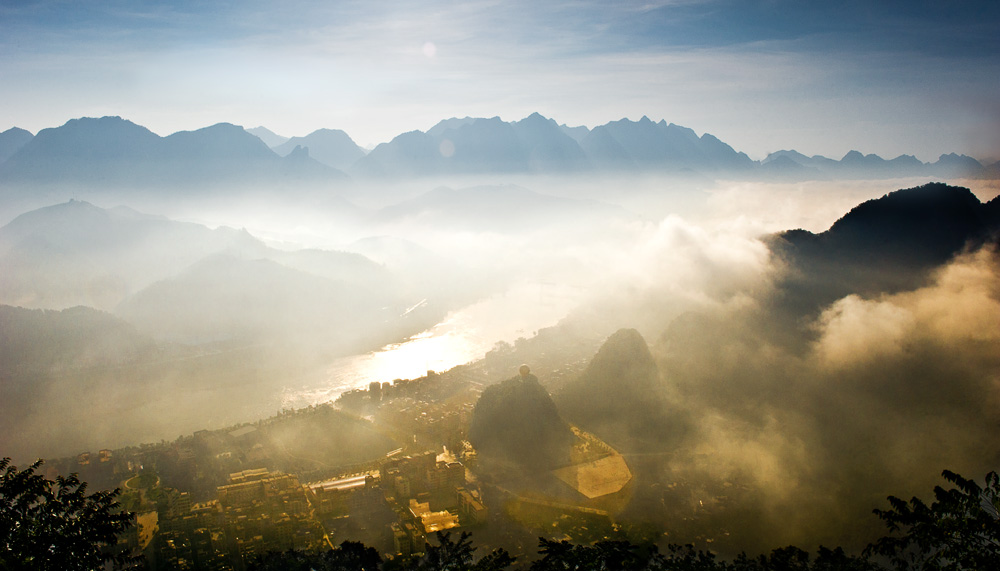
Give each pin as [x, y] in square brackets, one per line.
[759, 351]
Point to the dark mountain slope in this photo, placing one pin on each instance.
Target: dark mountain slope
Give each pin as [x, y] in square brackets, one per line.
[884, 245]
[516, 422]
[621, 397]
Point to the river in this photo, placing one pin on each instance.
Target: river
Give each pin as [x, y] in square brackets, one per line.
[464, 335]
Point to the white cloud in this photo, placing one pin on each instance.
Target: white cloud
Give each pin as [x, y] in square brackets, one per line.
[959, 312]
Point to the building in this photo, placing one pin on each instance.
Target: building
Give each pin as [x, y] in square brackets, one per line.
[471, 508]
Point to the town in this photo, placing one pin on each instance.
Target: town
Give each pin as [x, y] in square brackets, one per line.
[388, 465]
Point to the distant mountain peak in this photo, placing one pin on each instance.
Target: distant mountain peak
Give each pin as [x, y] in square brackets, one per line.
[12, 140]
[270, 138]
[17, 131]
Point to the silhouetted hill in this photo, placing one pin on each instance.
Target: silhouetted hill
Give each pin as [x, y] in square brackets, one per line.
[516, 422]
[621, 397]
[111, 152]
[922, 225]
[331, 147]
[887, 244]
[12, 140]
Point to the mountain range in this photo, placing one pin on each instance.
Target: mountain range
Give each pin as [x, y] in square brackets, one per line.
[331, 147]
[111, 151]
[855, 165]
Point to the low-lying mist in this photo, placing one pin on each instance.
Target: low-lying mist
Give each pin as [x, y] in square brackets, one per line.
[789, 422]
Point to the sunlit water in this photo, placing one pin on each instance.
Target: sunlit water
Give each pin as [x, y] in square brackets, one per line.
[463, 336]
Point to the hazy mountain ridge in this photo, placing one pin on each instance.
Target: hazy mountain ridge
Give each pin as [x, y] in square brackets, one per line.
[331, 147]
[536, 144]
[855, 165]
[118, 259]
[113, 152]
[270, 138]
[12, 140]
[76, 253]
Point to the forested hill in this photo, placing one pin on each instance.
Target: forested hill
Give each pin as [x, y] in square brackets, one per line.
[516, 422]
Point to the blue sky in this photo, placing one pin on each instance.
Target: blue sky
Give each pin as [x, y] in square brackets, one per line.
[821, 77]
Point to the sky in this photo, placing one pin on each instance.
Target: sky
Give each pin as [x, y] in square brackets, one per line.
[886, 77]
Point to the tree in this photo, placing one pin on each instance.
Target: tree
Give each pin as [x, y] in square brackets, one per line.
[348, 556]
[607, 555]
[47, 524]
[959, 530]
[451, 555]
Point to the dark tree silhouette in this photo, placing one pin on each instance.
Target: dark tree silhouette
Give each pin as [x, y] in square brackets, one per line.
[57, 525]
[959, 530]
[348, 556]
[458, 555]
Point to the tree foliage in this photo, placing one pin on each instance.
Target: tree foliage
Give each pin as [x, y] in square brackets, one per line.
[348, 556]
[47, 524]
[959, 530]
[459, 555]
